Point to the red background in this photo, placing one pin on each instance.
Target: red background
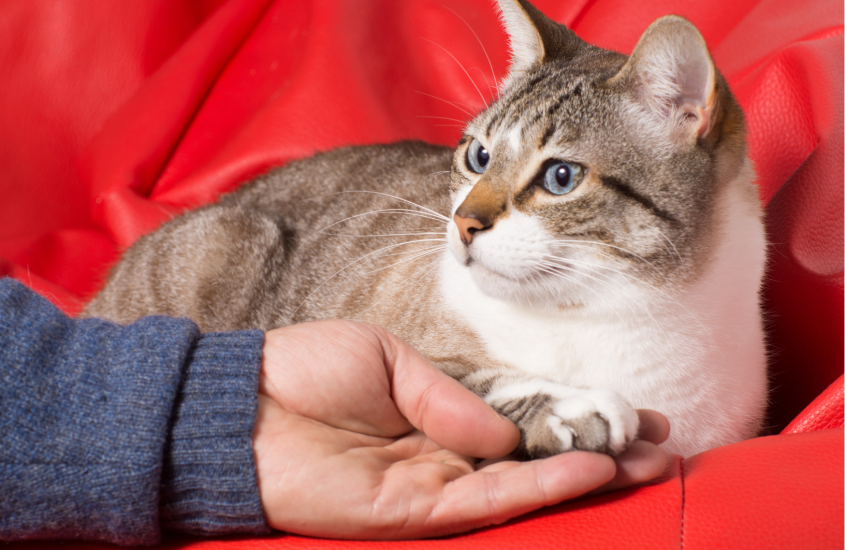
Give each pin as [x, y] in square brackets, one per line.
[116, 115]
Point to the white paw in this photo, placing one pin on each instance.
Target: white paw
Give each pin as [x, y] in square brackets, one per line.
[555, 418]
[593, 419]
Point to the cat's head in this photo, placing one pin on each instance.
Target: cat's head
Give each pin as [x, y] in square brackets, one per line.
[593, 171]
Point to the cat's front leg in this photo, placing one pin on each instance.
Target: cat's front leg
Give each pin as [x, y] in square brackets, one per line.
[554, 418]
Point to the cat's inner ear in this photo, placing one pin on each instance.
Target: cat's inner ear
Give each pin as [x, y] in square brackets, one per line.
[534, 38]
[672, 74]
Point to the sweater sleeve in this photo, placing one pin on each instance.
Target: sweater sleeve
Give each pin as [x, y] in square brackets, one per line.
[108, 431]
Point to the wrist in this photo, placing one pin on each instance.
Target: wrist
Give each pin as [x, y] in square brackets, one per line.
[209, 483]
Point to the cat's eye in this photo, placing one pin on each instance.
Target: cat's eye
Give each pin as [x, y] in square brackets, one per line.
[561, 178]
[477, 157]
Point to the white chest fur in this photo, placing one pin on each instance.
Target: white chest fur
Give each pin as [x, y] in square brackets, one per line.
[696, 355]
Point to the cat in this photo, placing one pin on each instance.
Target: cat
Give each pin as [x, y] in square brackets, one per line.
[592, 245]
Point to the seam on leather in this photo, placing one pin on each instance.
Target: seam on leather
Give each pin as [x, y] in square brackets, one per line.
[683, 500]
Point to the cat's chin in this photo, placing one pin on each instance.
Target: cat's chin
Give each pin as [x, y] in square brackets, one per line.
[526, 291]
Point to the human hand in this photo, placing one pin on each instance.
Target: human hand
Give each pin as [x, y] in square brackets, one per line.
[358, 436]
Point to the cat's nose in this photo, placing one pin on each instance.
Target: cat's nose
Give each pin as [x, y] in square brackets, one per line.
[469, 226]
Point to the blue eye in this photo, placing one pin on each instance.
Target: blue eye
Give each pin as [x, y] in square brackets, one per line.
[477, 157]
[562, 177]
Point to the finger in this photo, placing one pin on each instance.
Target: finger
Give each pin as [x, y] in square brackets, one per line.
[512, 489]
[442, 408]
[643, 461]
[653, 426]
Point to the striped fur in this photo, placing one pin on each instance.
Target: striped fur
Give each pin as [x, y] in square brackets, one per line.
[636, 289]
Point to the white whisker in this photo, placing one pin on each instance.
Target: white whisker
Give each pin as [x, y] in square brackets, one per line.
[314, 235]
[567, 277]
[595, 267]
[462, 68]
[418, 255]
[463, 122]
[555, 262]
[483, 49]
[604, 300]
[659, 232]
[655, 289]
[459, 106]
[433, 212]
[410, 279]
[402, 253]
[626, 251]
[347, 266]
[412, 234]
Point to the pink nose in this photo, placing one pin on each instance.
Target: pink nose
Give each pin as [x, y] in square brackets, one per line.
[468, 227]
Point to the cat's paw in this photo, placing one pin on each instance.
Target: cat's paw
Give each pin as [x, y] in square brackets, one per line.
[593, 420]
[554, 418]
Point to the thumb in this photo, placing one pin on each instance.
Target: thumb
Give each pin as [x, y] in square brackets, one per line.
[439, 406]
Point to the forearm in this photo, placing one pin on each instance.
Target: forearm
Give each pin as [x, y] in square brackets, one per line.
[102, 425]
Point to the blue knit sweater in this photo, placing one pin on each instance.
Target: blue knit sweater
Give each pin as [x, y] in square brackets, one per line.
[113, 433]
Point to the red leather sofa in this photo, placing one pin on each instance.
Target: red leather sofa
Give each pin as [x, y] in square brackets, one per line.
[116, 114]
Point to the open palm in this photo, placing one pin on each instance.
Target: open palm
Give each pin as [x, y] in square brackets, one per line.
[358, 436]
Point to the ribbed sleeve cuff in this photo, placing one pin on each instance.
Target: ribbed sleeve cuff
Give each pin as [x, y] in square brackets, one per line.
[209, 483]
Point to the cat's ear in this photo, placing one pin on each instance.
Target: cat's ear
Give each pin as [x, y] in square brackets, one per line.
[671, 75]
[534, 38]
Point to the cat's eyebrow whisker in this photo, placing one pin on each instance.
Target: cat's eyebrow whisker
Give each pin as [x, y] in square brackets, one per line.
[483, 49]
[463, 122]
[455, 105]
[462, 68]
[486, 82]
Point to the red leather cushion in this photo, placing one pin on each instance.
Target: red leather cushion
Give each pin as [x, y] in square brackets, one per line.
[771, 492]
[767, 493]
[115, 115]
[824, 413]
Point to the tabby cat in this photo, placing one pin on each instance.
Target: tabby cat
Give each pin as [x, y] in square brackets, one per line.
[592, 245]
